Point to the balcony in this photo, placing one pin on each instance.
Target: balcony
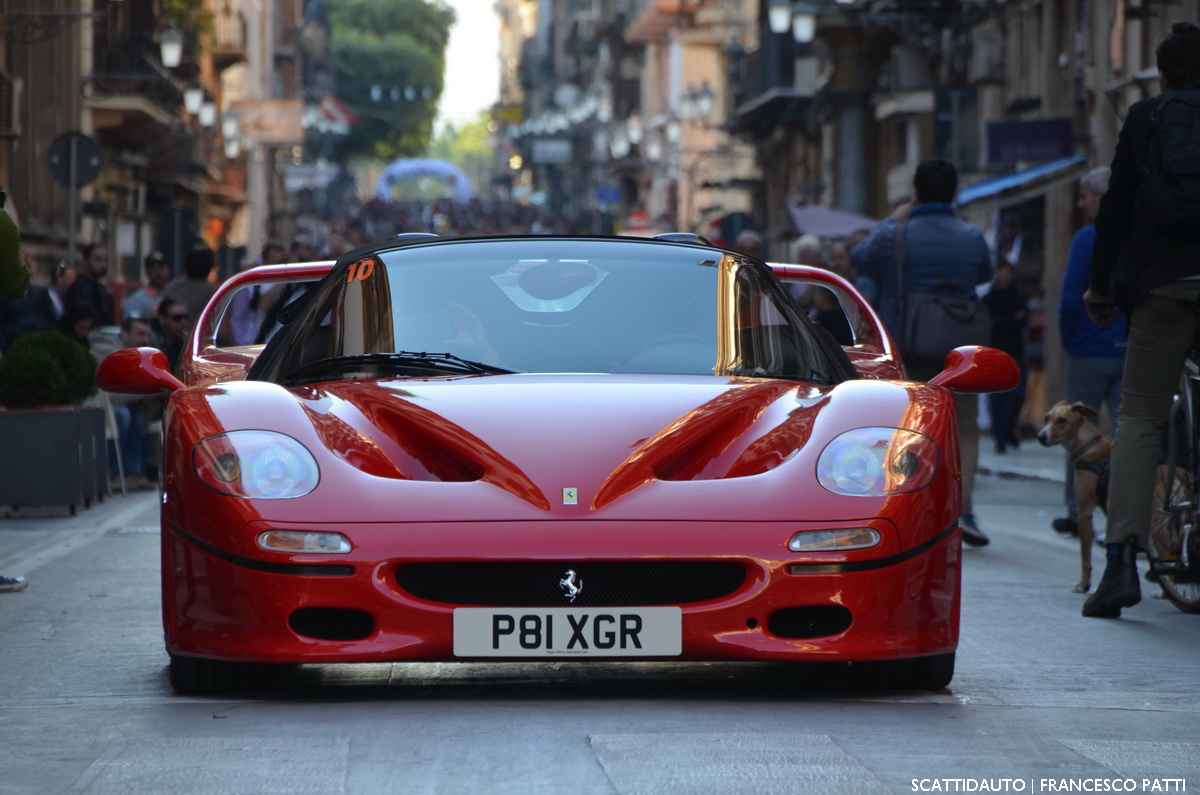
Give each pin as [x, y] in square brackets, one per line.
[772, 86]
[129, 94]
[229, 42]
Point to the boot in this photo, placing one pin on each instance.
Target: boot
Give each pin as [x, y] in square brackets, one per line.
[1118, 587]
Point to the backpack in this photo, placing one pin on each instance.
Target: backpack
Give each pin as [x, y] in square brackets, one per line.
[1171, 175]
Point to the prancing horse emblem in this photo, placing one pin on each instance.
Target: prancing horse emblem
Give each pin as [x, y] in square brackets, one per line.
[571, 589]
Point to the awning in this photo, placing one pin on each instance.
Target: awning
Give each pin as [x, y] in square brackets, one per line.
[657, 17]
[813, 219]
[1022, 185]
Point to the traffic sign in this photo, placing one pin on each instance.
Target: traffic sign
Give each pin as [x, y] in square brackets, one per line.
[74, 159]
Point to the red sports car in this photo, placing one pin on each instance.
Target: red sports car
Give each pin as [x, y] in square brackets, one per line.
[555, 448]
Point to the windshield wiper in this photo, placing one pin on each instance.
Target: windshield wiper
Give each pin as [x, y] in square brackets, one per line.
[400, 360]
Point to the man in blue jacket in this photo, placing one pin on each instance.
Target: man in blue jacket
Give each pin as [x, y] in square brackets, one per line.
[940, 248]
[1095, 354]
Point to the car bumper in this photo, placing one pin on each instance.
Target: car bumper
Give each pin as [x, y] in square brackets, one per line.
[228, 605]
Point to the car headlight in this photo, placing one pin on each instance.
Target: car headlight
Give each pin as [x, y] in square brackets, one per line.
[874, 462]
[259, 465]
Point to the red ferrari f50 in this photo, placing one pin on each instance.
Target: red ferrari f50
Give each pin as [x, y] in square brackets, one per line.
[553, 448]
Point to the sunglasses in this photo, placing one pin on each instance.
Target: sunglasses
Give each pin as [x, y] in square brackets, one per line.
[180, 318]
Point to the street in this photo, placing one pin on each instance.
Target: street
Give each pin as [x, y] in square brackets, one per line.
[1042, 700]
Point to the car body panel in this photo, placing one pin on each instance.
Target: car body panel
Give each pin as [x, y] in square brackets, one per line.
[579, 474]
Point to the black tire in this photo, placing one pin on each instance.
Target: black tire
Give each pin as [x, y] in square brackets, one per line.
[915, 673]
[1172, 528]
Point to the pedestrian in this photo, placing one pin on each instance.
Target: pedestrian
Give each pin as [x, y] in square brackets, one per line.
[1008, 306]
[61, 279]
[750, 242]
[89, 284]
[1149, 275]
[169, 329]
[193, 287]
[129, 411]
[940, 248]
[143, 302]
[244, 315]
[32, 312]
[78, 321]
[14, 278]
[841, 264]
[1095, 354]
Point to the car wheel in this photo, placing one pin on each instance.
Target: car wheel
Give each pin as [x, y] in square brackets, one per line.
[916, 673]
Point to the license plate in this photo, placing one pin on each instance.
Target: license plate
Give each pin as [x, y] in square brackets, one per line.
[568, 631]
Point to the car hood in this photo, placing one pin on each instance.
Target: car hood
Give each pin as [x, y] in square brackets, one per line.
[611, 446]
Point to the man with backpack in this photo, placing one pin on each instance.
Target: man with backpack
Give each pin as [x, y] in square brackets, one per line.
[1146, 266]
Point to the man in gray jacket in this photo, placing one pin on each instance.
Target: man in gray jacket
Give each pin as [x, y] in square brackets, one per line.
[939, 248]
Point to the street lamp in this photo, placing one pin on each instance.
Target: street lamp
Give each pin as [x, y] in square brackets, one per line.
[170, 45]
[208, 112]
[804, 22]
[193, 98]
[229, 125]
[800, 16]
[779, 15]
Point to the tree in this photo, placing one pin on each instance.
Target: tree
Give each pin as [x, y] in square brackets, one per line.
[389, 59]
[468, 148]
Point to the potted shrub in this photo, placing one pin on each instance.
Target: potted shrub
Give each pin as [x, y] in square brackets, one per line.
[54, 446]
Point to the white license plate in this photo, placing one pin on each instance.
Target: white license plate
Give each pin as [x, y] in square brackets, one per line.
[568, 631]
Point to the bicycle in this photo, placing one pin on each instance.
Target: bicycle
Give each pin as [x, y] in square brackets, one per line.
[1175, 537]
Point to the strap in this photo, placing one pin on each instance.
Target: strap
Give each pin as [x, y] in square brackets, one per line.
[1088, 445]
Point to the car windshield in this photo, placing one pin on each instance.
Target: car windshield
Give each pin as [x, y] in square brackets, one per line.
[547, 305]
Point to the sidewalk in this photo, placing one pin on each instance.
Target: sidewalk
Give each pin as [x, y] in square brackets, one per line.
[1031, 461]
[31, 536]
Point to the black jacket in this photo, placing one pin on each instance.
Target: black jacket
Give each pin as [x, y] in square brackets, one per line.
[1128, 260]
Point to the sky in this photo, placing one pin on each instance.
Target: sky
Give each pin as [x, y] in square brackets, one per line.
[472, 62]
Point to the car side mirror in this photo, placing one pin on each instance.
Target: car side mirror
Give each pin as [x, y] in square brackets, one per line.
[136, 371]
[974, 369]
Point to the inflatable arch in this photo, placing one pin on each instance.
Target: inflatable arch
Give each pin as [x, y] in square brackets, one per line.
[409, 167]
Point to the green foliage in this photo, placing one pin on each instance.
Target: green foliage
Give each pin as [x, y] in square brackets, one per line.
[390, 44]
[467, 146]
[189, 18]
[46, 369]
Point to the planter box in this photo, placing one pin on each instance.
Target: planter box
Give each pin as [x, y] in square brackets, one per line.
[53, 456]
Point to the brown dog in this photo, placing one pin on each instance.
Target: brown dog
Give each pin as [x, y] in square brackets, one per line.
[1070, 425]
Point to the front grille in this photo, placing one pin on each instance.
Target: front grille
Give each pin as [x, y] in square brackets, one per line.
[604, 583]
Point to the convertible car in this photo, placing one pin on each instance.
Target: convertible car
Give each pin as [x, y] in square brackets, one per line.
[553, 448]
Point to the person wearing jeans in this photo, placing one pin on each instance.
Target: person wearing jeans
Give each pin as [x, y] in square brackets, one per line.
[1149, 276]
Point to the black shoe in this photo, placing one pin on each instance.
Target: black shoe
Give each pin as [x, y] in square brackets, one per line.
[1118, 587]
[1065, 525]
[972, 535]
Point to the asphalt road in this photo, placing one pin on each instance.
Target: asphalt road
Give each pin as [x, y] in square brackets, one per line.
[1042, 701]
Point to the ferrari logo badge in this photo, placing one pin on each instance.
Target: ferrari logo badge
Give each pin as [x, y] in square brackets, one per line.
[570, 587]
[570, 496]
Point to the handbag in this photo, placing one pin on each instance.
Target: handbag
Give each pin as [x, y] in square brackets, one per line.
[935, 322]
